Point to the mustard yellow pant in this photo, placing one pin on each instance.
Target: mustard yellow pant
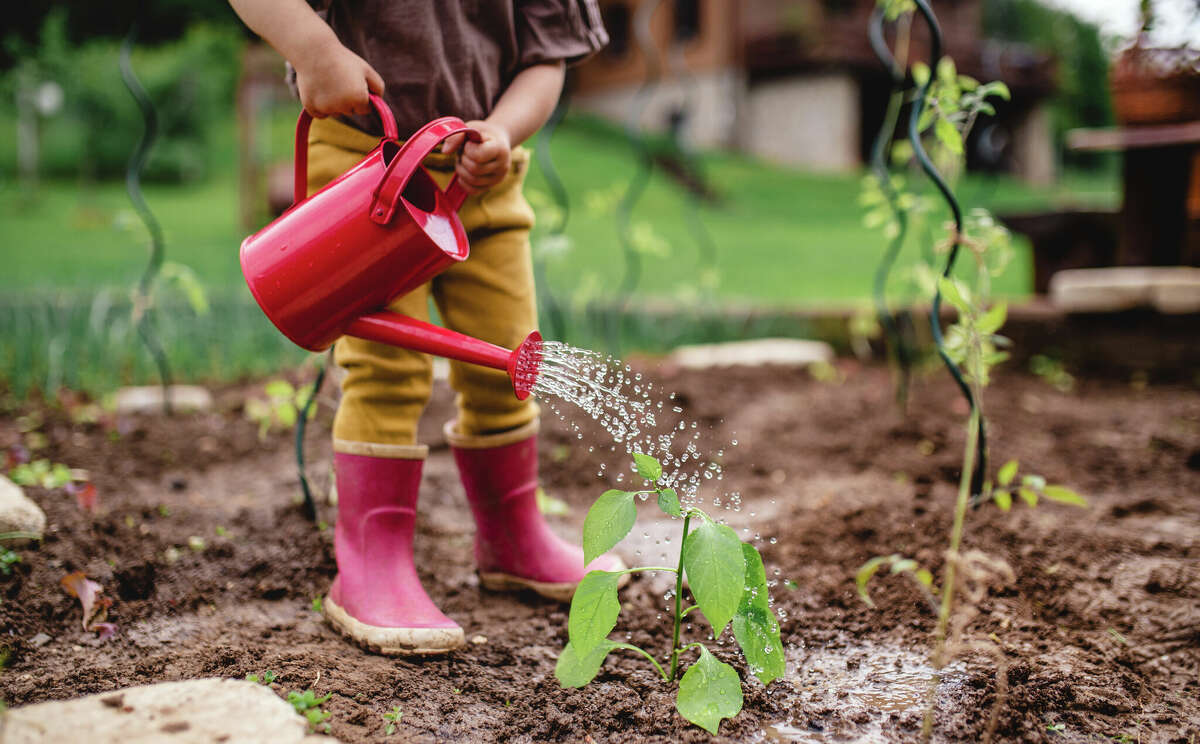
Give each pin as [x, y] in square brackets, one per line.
[489, 296]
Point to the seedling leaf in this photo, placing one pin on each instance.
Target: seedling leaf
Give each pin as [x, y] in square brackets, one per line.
[948, 135]
[1007, 473]
[647, 466]
[754, 625]
[1003, 499]
[668, 501]
[712, 559]
[992, 320]
[575, 669]
[1064, 495]
[952, 291]
[607, 523]
[1028, 495]
[865, 574]
[594, 610]
[709, 692]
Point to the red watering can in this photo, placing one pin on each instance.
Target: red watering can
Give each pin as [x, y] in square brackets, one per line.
[332, 262]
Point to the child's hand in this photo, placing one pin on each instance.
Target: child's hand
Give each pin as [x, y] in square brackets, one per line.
[483, 164]
[332, 80]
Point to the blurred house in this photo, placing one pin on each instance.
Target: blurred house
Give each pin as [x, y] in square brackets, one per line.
[795, 81]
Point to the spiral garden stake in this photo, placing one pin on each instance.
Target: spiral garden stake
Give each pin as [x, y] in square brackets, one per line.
[896, 342]
[956, 241]
[143, 309]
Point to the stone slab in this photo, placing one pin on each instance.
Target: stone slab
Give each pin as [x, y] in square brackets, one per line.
[149, 399]
[778, 351]
[1171, 290]
[202, 711]
[18, 513]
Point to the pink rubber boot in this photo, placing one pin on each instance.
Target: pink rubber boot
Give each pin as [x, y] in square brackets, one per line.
[377, 600]
[514, 547]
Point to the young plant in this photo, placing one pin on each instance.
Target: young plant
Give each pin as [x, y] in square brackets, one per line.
[949, 103]
[309, 705]
[266, 678]
[392, 719]
[281, 408]
[726, 578]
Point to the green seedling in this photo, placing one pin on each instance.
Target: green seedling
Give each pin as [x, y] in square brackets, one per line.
[266, 678]
[309, 705]
[8, 558]
[726, 578]
[281, 408]
[392, 718]
[318, 604]
[1053, 372]
[41, 473]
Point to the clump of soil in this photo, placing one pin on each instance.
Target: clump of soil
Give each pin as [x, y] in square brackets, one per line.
[1101, 629]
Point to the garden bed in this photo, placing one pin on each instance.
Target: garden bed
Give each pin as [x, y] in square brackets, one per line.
[1101, 629]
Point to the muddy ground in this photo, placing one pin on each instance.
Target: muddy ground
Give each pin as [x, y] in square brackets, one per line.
[1100, 631]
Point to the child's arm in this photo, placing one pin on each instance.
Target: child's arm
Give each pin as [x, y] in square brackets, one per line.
[522, 109]
[331, 79]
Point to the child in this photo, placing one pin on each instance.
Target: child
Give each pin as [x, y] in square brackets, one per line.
[500, 67]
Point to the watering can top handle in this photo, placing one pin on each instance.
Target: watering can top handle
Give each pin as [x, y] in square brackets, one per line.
[415, 150]
[300, 189]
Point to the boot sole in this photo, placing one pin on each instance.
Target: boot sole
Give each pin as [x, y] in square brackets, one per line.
[393, 641]
[559, 592]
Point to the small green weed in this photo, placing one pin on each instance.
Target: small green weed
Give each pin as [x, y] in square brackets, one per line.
[318, 604]
[281, 408]
[266, 678]
[7, 559]
[309, 705]
[392, 718]
[1053, 372]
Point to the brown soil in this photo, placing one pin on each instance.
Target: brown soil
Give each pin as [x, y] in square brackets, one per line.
[1100, 631]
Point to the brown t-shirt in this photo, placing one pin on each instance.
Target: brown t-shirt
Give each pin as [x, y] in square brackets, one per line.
[456, 57]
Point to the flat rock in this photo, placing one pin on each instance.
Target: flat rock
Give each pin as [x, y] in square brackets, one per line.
[18, 513]
[1168, 289]
[149, 399]
[779, 351]
[200, 711]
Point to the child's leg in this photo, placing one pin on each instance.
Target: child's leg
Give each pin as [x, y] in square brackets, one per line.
[491, 296]
[377, 598]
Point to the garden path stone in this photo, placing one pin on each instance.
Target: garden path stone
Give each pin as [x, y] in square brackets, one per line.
[18, 513]
[199, 711]
[779, 351]
[149, 399]
[1170, 289]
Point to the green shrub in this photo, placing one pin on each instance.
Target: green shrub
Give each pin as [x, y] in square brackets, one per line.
[191, 83]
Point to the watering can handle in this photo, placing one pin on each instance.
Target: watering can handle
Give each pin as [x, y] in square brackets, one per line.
[415, 150]
[300, 189]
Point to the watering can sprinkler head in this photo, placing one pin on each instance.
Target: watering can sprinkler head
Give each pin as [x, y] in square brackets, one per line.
[525, 365]
[329, 265]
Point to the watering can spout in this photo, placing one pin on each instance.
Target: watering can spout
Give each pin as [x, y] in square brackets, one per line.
[522, 364]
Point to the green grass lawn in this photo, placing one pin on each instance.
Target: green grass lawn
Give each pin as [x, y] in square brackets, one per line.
[781, 237]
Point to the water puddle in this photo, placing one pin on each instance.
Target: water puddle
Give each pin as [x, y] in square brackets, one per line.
[847, 694]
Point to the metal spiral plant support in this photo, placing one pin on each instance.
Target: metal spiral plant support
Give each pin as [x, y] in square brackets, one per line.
[641, 177]
[310, 504]
[914, 137]
[895, 339]
[143, 310]
[541, 151]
